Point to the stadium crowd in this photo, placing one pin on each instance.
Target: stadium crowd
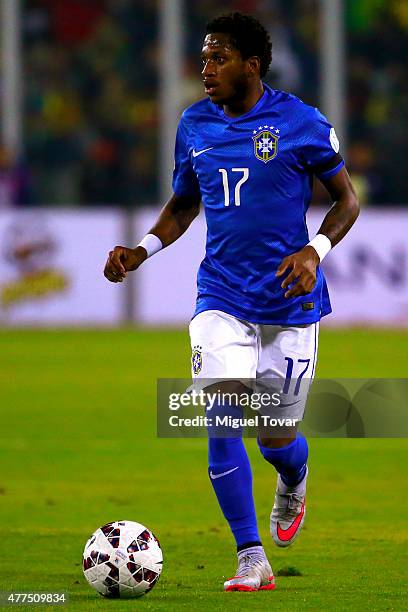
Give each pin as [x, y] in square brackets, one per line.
[91, 81]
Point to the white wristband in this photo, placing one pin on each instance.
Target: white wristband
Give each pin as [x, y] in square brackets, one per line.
[151, 243]
[321, 245]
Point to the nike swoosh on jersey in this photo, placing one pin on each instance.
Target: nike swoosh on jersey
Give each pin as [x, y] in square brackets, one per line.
[197, 153]
[287, 534]
[214, 476]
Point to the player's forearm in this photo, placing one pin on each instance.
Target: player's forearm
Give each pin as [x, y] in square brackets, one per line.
[340, 219]
[175, 218]
[345, 209]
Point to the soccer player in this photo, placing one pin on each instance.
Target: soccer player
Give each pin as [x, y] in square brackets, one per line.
[249, 153]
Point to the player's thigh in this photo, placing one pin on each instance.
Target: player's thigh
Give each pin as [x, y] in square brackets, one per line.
[288, 351]
[223, 347]
[286, 365]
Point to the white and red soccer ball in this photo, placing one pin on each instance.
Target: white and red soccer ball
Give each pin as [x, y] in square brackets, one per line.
[122, 559]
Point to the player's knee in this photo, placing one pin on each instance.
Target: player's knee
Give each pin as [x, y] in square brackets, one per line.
[275, 442]
[278, 438]
[223, 411]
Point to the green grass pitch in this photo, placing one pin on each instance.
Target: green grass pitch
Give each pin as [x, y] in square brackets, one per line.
[78, 449]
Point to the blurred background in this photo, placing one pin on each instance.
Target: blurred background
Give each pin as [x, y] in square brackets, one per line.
[91, 93]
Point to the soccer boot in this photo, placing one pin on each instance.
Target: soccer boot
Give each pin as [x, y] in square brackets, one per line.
[253, 574]
[288, 512]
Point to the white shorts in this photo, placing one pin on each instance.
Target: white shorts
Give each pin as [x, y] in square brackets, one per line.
[227, 348]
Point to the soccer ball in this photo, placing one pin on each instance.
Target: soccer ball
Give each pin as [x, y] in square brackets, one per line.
[122, 559]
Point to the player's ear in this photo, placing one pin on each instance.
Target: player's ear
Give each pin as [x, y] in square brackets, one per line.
[254, 64]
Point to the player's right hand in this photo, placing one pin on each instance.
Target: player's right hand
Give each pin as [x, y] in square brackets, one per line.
[122, 260]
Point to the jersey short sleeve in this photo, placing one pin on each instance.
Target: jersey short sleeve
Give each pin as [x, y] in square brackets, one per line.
[185, 182]
[320, 151]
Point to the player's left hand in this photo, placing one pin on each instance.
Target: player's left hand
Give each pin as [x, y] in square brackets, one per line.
[302, 275]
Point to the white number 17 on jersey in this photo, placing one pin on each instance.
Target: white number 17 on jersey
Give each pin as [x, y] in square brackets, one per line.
[242, 180]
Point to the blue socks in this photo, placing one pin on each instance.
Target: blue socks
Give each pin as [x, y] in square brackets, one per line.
[231, 477]
[290, 460]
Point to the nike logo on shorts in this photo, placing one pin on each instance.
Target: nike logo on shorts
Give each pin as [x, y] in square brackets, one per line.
[214, 476]
[197, 153]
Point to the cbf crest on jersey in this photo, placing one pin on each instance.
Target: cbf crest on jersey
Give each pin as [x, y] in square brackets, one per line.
[266, 139]
[197, 359]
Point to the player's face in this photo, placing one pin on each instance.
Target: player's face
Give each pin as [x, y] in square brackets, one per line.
[225, 73]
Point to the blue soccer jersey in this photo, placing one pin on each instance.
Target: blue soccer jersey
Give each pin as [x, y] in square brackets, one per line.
[254, 174]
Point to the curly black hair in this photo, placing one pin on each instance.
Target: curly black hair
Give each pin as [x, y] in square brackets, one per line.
[247, 35]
